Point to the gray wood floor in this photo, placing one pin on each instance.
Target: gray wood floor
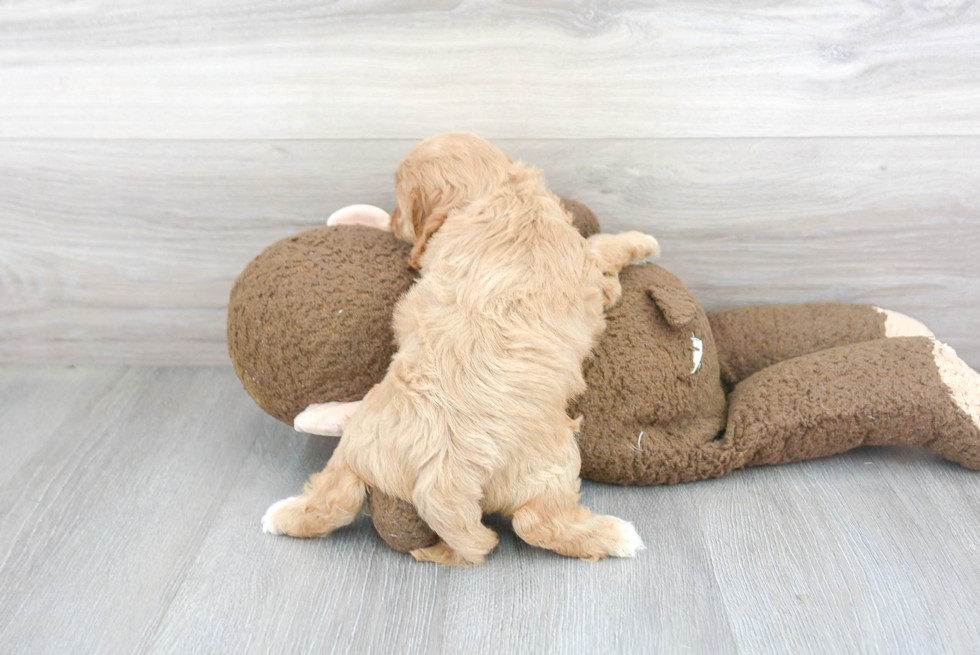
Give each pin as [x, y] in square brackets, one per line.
[130, 500]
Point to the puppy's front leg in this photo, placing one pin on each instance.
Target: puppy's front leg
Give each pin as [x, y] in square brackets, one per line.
[615, 251]
[618, 250]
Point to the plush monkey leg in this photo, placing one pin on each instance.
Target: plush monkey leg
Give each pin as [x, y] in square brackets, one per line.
[911, 391]
[750, 339]
[399, 524]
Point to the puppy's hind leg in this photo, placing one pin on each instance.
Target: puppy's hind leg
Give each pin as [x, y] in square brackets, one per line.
[331, 499]
[555, 520]
[448, 497]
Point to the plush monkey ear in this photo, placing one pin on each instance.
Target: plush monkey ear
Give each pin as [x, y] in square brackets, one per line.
[677, 305]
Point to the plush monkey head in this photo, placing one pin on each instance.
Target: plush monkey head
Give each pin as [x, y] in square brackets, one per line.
[309, 319]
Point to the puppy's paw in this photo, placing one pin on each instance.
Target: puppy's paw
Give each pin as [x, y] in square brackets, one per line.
[276, 517]
[325, 419]
[629, 542]
[644, 246]
[440, 553]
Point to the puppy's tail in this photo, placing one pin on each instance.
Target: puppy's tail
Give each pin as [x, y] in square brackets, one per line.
[334, 496]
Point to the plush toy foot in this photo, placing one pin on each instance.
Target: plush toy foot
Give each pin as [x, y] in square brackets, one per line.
[960, 440]
[903, 391]
[900, 325]
[325, 419]
[361, 215]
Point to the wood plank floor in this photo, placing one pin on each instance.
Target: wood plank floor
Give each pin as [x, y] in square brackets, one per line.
[130, 500]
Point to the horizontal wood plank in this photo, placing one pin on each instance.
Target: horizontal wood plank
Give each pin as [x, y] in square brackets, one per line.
[126, 251]
[396, 69]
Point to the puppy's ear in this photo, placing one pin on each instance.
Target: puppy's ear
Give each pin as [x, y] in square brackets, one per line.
[418, 209]
[427, 217]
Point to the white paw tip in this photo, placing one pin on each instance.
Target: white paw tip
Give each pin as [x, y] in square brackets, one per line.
[631, 541]
[268, 526]
[654, 247]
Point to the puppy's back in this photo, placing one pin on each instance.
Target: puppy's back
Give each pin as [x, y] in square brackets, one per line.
[501, 310]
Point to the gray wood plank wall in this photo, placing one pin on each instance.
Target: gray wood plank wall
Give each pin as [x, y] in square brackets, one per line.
[782, 152]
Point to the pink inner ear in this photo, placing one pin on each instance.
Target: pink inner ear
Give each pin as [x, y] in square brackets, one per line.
[361, 215]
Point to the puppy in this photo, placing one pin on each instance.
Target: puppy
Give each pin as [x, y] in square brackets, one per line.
[470, 418]
[439, 176]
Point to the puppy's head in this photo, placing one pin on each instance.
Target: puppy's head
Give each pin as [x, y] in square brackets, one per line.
[439, 175]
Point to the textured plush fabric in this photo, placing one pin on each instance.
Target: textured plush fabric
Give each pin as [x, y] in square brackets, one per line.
[751, 338]
[309, 320]
[880, 392]
[877, 393]
[640, 381]
[582, 217]
[398, 523]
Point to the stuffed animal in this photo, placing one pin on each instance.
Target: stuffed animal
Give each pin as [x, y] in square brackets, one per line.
[674, 394]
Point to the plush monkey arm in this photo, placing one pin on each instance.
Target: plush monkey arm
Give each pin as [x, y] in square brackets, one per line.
[750, 339]
[325, 419]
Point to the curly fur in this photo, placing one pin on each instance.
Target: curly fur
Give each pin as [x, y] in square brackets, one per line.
[471, 416]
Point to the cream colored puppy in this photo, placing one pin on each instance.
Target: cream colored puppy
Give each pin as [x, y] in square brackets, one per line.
[470, 417]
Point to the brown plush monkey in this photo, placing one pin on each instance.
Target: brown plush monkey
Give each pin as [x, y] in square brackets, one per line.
[674, 394]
